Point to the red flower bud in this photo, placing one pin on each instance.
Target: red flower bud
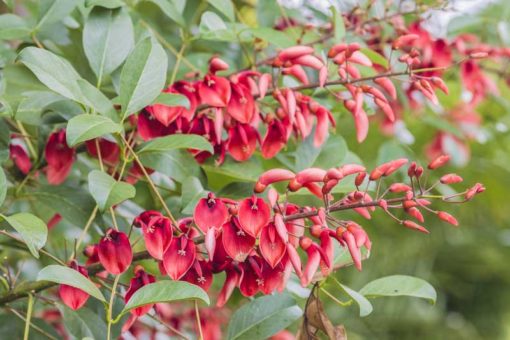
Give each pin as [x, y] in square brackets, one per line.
[115, 252]
[415, 226]
[447, 218]
[451, 179]
[439, 162]
[404, 41]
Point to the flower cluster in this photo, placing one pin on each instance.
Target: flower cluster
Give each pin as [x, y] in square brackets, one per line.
[257, 241]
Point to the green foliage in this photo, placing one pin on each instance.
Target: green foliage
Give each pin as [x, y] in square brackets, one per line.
[400, 285]
[86, 127]
[165, 291]
[263, 317]
[108, 192]
[32, 230]
[67, 276]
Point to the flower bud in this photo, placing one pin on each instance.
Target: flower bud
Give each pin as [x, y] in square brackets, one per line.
[415, 226]
[438, 162]
[451, 179]
[447, 218]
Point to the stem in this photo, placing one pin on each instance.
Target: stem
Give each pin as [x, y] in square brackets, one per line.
[199, 324]
[110, 307]
[84, 232]
[29, 316]
[149, 179]
[169, 46]
[177, 63]
[20, 316]
[332, 297]
[27, 139]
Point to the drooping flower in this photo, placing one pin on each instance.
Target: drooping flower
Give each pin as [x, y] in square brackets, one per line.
[20, 157]
[237, 243]
[210, 212]
[115, 252]
[140, 279]
[74, 297]
[179, 257]
[109, 151]
[59, 156]
[254, 214]
[158, 235]
[242, 141]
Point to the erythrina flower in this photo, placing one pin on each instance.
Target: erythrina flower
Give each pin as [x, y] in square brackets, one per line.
[20, 157]
[167, 114]
[242, 141]
[179, 257]
[214, 91]
[140, 279]
[236, 242]
[200, 274]
[115, 252]
[271, 245]
[210, 212]
[59, 156]
[157, 234]
[254, 214]
[74, 297]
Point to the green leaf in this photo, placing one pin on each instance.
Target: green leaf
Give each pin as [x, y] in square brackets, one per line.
[31, 229]
[53, 71]
[85, 127]
[13, 27]
[263, 317]
[375, 57]
[108, 37]
[225, 7]
[192, 191]
[68, 276]
[178, 141]
[365, 307]
[177, 164]
[3, 186]
[400, 285]
[73, 203]
[143, 76]
[34, 104]
[338, 25]
[96, 100]
[107, 191]
[248, 171]
[211, 22]
[171, 10]
[165, 291]
[51, 11]
[83, 323]
[172, 99]
[272, 36]
[111, 4]
[330, 154]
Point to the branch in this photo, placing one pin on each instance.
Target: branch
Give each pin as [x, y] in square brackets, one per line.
[33, 287]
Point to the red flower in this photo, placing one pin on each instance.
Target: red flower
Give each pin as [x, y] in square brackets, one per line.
[73, 297]
[254, 214]
[237, 244]
[242, 141]
[214, 91]
[275, 139]
[210, 212]
[200, 274]
[141, 279]
[241, 105]
[271, 245]
[167, 114]
[179, 257]
[20, 157]
[158, 235]
[59, 156]
[115, 252]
